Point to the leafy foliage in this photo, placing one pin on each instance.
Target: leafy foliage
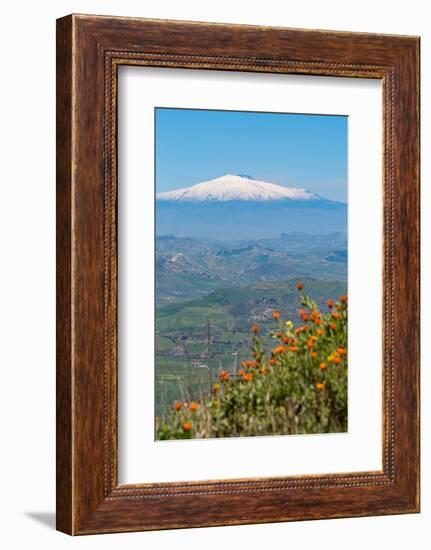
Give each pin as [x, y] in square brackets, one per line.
[297, 386]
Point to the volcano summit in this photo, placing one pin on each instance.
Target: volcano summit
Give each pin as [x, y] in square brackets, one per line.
[238, 207]
[237, 188]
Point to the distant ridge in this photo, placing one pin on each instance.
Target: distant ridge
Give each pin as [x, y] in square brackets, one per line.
[232, 187]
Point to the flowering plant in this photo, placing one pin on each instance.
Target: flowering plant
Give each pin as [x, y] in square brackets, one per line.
[297, 386]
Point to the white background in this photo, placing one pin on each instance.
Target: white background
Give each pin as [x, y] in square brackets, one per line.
[27, 214]
[141, 458]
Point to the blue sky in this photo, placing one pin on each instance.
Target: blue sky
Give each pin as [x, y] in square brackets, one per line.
[295, 150]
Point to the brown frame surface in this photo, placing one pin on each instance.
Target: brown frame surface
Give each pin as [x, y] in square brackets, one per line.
[89, 51]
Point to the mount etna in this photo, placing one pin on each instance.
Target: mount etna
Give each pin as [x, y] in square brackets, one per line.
[240, 206]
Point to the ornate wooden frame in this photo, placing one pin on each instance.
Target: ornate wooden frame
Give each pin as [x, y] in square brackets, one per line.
[89, 51]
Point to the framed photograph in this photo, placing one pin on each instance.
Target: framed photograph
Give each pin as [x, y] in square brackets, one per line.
[237, 274]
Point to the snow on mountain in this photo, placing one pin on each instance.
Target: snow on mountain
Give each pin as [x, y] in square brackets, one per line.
[237, 188]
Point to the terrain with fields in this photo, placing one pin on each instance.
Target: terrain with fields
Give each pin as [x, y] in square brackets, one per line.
[210, 292]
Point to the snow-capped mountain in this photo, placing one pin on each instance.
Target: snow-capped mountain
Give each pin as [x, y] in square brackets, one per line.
[239, 207]
[237, 188]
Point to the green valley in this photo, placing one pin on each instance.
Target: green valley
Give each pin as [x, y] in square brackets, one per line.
[196, 338]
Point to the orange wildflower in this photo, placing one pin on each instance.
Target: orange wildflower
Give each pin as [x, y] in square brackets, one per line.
[194, 406]
[319, 331]
[278, 349]
[313, 354]
[299, 286]
[272, 361]
[241, 372]
[178, 406]
[310, 343]
[248, 377]
[187, 426]
[293, 348]
[320, 386]
[333, 326]
[343, 299]
[335, 315]
[330, 303]
[255, 328]
[224, 375]
[304, 314]
[299, 330]
[243, 364]
[336, 360]
[323, 366]
[276, 315]
[342, 351]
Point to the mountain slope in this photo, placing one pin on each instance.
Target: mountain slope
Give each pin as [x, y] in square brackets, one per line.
[188, 268]
[238, 207]
[233, 188]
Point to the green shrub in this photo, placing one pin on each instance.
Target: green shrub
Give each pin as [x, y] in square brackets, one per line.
[298, 386]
